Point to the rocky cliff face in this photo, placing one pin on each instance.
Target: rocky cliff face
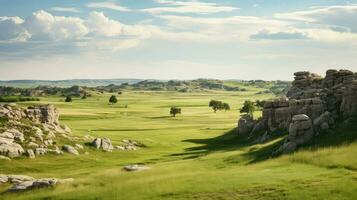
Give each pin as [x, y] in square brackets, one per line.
[323, 100]
[29, 131]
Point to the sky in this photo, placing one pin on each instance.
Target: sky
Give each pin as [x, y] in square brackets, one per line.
[169, 39]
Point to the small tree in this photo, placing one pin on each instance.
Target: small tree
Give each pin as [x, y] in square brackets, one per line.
[216, 105]
[174, 111]
[226, 106]
[113, 99]
[68, 99]
[248, 107]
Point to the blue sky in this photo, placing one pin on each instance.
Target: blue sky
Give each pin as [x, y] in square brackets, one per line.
[169, 39]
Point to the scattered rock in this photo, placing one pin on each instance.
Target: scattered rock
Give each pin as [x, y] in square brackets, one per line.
[135, 167]
[30, 153]
[40, 151]
[97, 142]
[70, 149]
[106, 144]
[22, 182]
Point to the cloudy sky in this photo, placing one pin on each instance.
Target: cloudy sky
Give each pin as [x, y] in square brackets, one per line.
[169, 39]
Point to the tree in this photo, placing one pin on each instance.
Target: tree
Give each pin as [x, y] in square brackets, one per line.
[68, 99]
[259, 104]
[248, 107]
[226, 106]
[174, 111]
[216, 105]
[113, 99]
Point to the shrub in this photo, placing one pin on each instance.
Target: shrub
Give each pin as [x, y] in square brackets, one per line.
[68, 99]
[113, 99]
[174, 111]
[17, 99]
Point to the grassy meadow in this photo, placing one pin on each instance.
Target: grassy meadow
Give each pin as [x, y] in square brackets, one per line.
[196, 155]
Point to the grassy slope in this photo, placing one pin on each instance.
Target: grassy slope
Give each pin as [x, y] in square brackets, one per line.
[194, 156]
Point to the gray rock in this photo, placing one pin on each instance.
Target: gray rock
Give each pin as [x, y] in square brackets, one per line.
[40, 151]
[97, 142]
[11, 150]
[70, 149]
[245, 125]
[135, 167]
[30, 153]
[107, 145]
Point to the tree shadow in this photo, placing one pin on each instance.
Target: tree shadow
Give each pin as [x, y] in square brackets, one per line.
[228, 141]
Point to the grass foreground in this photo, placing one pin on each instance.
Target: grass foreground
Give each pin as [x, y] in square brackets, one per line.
[196, 155]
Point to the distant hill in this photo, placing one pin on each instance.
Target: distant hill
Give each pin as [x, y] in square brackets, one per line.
[80, 87]
[66, 83]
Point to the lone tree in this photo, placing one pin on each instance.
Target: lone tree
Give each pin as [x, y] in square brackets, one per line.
[248, 107]
[174, 111]
[113, 99]
[226, 106]
[216, 105]
[68, 99]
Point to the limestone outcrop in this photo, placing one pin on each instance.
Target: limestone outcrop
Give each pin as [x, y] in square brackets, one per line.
[23, 182]
[30, 131]
[325, 101]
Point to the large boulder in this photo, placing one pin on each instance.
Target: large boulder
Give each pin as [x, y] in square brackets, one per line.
[11, 149]
[300, 132]
[245, 124]
[103, 143]
[106, 144]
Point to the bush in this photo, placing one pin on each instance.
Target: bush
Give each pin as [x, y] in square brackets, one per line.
[174, 111]
[68, 99]
[17, 99]
[113, 99]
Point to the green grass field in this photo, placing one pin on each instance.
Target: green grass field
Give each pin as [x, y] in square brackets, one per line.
[196, 155]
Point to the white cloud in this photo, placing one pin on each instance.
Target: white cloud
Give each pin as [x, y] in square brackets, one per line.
[108, 5]
[188, 7]
[224, 29]
[65, 9]
[11, 29]
[101, 25]
[340, 17]
[281, 35]
[44, 26]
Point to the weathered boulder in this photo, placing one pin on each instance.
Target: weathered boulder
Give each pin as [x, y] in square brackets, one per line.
[300, 132]
[70, 149]
[97, 142]
[22, 182]
[30, 153]
[11, 149]
[245, 124]
[106, 144]
[135, 167]
[103, 143]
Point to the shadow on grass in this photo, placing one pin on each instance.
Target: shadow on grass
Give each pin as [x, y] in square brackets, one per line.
[230, 141]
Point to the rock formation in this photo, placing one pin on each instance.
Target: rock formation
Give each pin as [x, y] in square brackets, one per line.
[23, 182]
[29, 131]
[323, 100]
